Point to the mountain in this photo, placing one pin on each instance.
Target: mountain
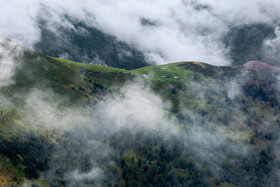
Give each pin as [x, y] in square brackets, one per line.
[65, 123]
[89, 45]
[246, 42]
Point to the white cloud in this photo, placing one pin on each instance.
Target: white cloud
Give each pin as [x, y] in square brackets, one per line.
[184, 29]
[93, 174]
[137, 108]
[18, 21]
[8, 52]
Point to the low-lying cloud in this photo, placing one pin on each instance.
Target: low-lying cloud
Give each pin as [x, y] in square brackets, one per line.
[164, 31]
[8, 52]
[136, 109]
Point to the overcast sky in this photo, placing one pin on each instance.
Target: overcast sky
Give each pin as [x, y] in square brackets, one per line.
[164, 30]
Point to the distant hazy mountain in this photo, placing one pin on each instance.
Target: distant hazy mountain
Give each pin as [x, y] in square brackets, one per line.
[246, 43]
[88, 45]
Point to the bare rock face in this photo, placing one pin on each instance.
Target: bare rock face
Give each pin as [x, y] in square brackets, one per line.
[258, 66]
[262, 81]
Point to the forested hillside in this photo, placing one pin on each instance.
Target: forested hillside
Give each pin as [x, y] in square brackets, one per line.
[64, 123]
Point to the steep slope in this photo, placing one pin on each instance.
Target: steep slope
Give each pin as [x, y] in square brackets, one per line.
[87, 44]
[247, 42]
[185, 123]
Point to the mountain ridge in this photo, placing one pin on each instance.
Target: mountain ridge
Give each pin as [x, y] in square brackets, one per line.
[51, 102]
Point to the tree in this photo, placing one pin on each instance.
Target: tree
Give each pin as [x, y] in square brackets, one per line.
[122, 163]
[139, 163]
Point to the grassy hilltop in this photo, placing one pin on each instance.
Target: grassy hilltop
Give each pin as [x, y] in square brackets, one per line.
[237, 108]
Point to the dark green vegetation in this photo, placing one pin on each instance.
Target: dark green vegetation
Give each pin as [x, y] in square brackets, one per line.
[246, 43]
[224, 120]
[88, 45]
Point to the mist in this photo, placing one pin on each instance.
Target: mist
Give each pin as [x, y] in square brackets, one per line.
[214, 129]
[85, 156]
[86, 143]
[8, 52]
[163, 31]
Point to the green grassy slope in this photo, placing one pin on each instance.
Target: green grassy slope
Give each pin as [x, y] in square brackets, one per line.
[191, 88]
[63, 76]
[73, 84]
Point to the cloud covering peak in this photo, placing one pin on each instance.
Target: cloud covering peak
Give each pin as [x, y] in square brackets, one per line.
[165, 31]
